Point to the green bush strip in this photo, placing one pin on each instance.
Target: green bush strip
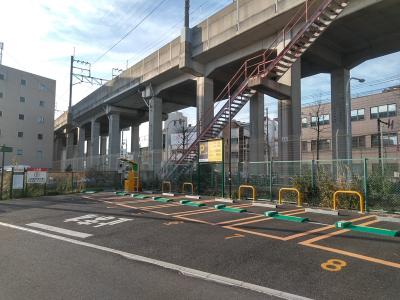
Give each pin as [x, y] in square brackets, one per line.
[229, 209]
[190, 203]
[163, 200]
[276, 215]
[366, 229]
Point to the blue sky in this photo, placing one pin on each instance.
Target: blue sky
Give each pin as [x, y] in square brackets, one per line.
[46, 32]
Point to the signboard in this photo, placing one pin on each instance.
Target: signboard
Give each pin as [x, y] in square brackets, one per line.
[36, 175]
[18, 181]
[211, 151]
[6, 149]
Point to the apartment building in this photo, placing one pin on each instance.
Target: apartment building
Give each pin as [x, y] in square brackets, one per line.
[27, 104]
[365, 112]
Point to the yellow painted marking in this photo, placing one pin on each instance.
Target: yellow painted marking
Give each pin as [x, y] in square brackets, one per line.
[173, 223]
[334, 265]
[242, 219]
[193, 220]
[265, 218]
[235, 235]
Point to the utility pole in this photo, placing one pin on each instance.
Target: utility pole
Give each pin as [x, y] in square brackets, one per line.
[1, 52]
[187, 9]
[389, 124]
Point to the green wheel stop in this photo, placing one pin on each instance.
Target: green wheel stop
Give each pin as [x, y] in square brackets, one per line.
[139, 196]
[229, 209]
[366, 229]
[122, 193]
[276, 215]
[162, 199]
[191, 203]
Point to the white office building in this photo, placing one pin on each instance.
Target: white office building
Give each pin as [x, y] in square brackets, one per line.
[27, 117]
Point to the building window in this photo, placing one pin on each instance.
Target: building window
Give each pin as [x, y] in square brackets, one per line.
[314, 121]
[235, 141]
[1, 94]
[23, 82]
[383, 111]
[20, 134]
[323, 145]
[43, 87]
[358, 114]
[40, 120]
[41, 103]
[21, 117]
[40, 136]
[358, 142]
[2, 76]
[20, 152]
[322, 120]
[304, 146]
[39, 154]
[1, 113]
[22, 99]
[304, 123]
[389, 139]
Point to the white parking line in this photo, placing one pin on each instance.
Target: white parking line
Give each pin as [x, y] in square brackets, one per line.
[60, 230]
[183, 270]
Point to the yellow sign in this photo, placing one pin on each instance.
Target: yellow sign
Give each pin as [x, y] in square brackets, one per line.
[211, 151]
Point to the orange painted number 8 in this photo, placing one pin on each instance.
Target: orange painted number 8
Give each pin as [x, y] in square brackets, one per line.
[334, 265]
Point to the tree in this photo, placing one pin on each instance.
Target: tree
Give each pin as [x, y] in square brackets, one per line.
[318, 119]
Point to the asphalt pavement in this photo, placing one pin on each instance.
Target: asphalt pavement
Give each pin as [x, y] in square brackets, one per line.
[106, 247]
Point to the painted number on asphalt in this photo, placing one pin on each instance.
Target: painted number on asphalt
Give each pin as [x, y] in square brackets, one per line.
[236, 235]
[97, 220]
[173, 223]
[334, 265]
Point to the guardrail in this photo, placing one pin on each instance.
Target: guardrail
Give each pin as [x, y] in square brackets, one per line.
[252, 188]
[188, 184]
[360, 196]
[166, 183]
[299, 202]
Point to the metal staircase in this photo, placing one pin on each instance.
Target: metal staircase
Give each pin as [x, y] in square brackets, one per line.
[310, 21]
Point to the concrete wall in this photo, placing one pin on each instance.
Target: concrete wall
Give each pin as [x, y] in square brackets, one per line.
[38, 117]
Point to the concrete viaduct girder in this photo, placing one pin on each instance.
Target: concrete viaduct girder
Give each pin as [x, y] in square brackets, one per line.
[222, 42]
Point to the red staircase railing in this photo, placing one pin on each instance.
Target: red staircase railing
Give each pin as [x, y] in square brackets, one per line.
[308, 23]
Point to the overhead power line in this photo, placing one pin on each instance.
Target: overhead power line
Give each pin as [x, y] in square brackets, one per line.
[130, 31]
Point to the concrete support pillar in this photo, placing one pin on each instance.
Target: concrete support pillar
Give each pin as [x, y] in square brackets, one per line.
[94, 141]
[70, 144]
[114, 134]
[135, 146]
[155, 134]
[81, 143]
[205, 100]
[289, 114]
[257, 143]
[339, 89]
[103, 145]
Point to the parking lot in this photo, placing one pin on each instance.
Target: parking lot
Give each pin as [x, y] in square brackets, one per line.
[287, 255]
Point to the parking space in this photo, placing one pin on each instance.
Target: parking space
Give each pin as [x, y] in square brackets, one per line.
[237, 245]
[377, 249]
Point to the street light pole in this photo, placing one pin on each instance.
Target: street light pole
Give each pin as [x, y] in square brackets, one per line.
[349, 136]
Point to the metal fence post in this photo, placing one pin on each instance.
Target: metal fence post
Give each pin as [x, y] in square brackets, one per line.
[11, 182]
[365, 183]
[313, 192]
[270, 178]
